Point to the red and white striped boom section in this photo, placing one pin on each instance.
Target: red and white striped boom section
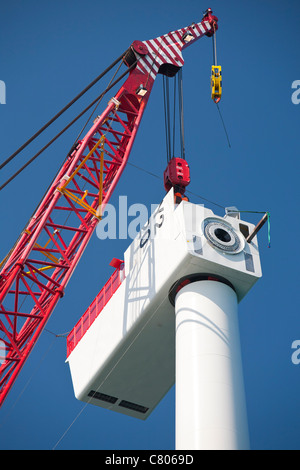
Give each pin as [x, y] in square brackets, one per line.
[40, 265]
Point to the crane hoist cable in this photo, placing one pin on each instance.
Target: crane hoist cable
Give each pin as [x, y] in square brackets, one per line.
[178, 92]
[166, 94]
[216, 82]
[216, 74]
[180, 86]
[177, 173]
[214, 41]
[54, 118]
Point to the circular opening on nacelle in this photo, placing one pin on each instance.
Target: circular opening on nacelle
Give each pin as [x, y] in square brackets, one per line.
[222, 235]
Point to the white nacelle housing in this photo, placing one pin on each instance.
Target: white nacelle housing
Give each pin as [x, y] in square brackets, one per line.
[126, 359]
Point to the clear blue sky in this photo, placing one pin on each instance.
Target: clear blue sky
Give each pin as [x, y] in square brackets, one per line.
[49, 51]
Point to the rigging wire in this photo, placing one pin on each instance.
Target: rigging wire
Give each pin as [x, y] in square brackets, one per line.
[28, 382]
[94, 110]
[214, 44]
[214, 53]
[178, 92]
[67, 127]
[61, 112]
[167, 116]
[188, 191]
[180, 97]
[174, 114]
[229, 144]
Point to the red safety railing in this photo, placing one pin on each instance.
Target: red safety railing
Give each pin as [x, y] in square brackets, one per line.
[94, 309]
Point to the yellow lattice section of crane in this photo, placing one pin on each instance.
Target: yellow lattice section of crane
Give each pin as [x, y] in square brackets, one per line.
[81, 201]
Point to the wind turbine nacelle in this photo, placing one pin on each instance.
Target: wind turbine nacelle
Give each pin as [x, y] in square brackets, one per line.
[125, 361]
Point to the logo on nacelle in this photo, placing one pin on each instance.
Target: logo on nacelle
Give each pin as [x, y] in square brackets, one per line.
[150, 229]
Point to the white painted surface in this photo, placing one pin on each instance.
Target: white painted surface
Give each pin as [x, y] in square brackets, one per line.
[129, 350]
[210, 399]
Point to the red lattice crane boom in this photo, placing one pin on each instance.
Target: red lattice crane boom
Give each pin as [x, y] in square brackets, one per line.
[40, 265]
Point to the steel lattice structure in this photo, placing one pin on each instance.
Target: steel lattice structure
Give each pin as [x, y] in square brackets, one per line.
[41, 263]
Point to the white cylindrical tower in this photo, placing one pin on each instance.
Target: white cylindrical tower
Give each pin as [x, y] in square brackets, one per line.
[210, 398]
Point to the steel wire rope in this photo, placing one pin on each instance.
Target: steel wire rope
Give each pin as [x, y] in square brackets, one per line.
[67, 127]
[167, 116]
[188, 191]
[178, 90]
[214, 52]
[60, 335]
[222, 120]
[181, 115]
[214, 44]
[97, 104]
[28, 382]
[61, 111]
[174, 117]
[166, 102]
